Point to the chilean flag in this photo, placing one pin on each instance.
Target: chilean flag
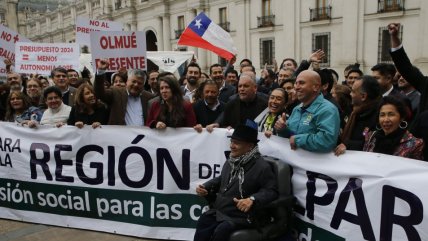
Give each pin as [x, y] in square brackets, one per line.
[203, 33]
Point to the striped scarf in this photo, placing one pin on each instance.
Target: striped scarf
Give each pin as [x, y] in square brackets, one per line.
[237, 166]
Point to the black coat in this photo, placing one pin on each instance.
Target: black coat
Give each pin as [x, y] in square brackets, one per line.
[260, 181]
[412, 75]
[237, 112]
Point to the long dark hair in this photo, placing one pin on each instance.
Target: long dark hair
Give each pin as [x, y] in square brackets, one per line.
[177, 114]
[26, 102]
[79, 99]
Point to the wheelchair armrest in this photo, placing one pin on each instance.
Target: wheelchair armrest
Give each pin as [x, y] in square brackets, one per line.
[284, 201]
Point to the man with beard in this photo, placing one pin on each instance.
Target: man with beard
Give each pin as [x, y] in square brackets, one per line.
[231, 77]
[14, 81]
[226, 90]
[407, 89]
[247, 183]
[365, 96]
[129, 105]
[314, 124]
[209, 108]
[193, 74]
[153, 82]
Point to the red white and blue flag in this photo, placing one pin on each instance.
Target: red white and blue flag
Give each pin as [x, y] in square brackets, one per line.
[204, 33]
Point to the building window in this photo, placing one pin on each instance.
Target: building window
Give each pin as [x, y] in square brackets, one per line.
[180, 27]
[267, 52]
[223, 19]
[118, 4]
[390, 5]
[384, 45]
[322, 41]
[321, 12]
[81, 8]
[267, 19]
[2, 18]
[222, 61]
[266, 8]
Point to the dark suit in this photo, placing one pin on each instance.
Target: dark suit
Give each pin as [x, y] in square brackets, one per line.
[226, 92]
[237, 112]
[117, 99]
[412, 75]
[260, 181]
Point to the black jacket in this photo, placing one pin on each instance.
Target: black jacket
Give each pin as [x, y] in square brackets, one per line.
[260, 181]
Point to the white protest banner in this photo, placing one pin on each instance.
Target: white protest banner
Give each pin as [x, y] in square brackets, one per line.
[121, 49]
[169, 60]
[84, 26]
[41, 58]
[8, 39]
[141, 182]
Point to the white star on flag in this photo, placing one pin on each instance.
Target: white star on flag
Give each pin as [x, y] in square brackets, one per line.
[198, 23]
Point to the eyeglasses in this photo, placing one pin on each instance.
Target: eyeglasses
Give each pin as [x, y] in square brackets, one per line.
[33, 86]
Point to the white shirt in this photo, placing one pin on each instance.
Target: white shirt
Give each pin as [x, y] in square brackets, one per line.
[52, 117]
[134, 111]
[388, 92]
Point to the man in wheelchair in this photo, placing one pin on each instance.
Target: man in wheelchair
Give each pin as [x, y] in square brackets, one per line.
[247, 183]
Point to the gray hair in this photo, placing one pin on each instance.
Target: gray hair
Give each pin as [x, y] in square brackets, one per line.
[137, 73]
[250, 75]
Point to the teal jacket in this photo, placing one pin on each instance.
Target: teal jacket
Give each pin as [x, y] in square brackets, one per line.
[315, 128]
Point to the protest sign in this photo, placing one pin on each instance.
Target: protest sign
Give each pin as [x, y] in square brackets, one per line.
[8, 39]
[41, 58]
[141, 182]
[169, 61]
[121, 49]
[84, 26]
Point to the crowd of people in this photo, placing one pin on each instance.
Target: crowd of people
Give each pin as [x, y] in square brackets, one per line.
[301, 102]
[385, 111]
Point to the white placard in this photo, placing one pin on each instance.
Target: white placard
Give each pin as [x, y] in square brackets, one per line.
[84, 26]
[41, 58]
[121, 49]
[8, 39]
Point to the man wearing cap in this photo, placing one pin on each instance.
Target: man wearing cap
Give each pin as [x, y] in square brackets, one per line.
[246, 183]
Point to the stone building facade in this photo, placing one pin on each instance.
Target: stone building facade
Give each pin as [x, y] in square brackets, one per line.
[349, 31]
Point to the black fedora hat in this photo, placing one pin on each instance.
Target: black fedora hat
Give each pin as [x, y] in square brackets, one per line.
[247, 132]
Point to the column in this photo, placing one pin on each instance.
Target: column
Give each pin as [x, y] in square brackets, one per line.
[350, 13]
[421, 58]
[166, 32]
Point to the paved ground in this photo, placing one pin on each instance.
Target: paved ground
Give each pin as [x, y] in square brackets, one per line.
[21, 231]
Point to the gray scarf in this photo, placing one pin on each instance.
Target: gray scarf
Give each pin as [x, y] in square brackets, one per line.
[237, 166]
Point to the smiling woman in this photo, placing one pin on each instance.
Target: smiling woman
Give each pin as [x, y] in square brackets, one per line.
[392, 137]
[171, 110]
[87, 110]
[277, 102]
[57, 112]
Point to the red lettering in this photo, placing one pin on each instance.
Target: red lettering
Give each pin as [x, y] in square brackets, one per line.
[127, 62]
[94, 23]
[47, 58]
[6, 36]
[118, 42]
[104, 42]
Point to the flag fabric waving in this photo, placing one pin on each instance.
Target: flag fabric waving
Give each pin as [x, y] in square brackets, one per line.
[204, 33]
